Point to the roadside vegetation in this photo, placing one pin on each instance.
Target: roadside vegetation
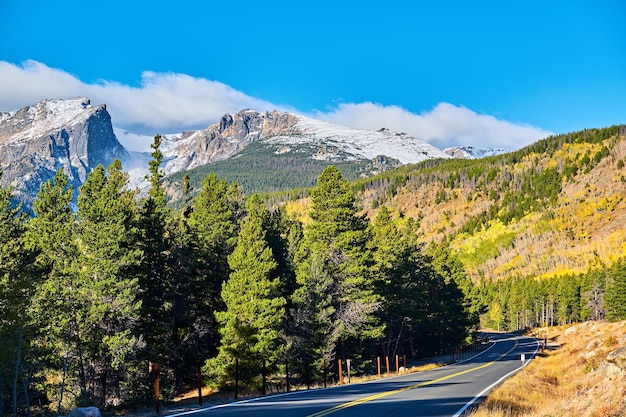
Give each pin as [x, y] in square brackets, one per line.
[582, 373]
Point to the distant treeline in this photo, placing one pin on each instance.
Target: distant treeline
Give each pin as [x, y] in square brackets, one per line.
[260, 169]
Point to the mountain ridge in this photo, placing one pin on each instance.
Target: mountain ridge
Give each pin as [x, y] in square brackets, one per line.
[37, 140]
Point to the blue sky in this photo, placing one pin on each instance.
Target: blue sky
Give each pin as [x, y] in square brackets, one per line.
[481, 73]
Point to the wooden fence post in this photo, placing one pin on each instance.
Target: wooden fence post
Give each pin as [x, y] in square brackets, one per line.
[340, 372]
[155, 368]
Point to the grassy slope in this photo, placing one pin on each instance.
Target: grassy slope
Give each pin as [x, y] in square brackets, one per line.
[571, 378]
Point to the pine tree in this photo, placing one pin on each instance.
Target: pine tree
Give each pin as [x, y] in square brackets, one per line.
[401, 285]
[109, 258]
[59, 304]
[615, 297]
[212, 231]
[156, 325]
[336, 299]
[251, 323]
[214, 225]
[19, 279]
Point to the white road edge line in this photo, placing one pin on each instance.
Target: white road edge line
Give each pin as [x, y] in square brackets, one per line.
[215, 407]
[490, 387]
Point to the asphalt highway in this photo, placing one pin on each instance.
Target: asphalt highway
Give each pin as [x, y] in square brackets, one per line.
[448, 391]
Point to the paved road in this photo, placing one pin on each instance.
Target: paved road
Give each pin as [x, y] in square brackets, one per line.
[447, 391]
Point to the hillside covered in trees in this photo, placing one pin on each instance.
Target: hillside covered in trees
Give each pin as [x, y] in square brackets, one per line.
[408, 262]
[95, 302]
[541, 232]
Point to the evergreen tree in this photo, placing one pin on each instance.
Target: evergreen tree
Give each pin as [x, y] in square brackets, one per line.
[109, 257]
[401, 285]
[18, 281]
[251, 323]
[615, 297]
[59, 304]
[212, 232]
[156, 325]
[593, 290]
[336, 297]
[214, 224]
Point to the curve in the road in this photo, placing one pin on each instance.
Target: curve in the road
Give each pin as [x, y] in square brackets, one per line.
[421, 384]
[398, 394]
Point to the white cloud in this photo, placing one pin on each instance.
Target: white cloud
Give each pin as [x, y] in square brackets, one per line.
[173, 102]
[33, 82]
[444, 126]
[163, 102]
[170, 103]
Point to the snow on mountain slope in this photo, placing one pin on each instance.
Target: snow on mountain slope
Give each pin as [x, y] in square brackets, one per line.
[362, 144]
[469, 152]
[45, 116]
[287, 131]
[36, 141]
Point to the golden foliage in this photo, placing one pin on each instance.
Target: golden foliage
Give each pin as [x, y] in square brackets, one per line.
[569, 379]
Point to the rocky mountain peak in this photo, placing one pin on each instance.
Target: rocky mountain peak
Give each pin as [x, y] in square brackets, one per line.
[35, 141]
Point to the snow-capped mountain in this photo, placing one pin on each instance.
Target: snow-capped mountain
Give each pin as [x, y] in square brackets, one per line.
[469, 152]
[286, 132]
[37, 140]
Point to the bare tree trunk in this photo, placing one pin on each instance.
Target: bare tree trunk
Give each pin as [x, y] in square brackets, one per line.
[103, 381]
[25, 384]
[65, 362]
[1, 397]
[18, 359]
[395, 349]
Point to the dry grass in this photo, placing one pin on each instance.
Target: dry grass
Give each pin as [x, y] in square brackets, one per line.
[569, 379]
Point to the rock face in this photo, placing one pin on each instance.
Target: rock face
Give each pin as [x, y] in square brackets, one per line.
[85, 412]
[225, 138]
[287, 132]
[36, 141]
[618, 358]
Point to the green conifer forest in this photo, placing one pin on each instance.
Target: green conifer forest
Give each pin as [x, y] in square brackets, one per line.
[96, 298]
[251, 291]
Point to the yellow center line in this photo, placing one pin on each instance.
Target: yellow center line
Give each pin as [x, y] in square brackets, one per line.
[397, 391]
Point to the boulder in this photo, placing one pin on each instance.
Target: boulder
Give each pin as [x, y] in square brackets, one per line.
[85, 412]
[618, 358]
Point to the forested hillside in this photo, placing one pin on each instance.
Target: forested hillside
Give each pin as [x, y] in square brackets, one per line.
[94, 300]
[259, 168]
[540, 231]
[98, 302]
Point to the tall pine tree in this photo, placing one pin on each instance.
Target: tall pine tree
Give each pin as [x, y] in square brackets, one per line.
[615, 297]
[156, 325]
[59, 305]
[109, 259]
[251, 323]
[336, 300]
[19, 279]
